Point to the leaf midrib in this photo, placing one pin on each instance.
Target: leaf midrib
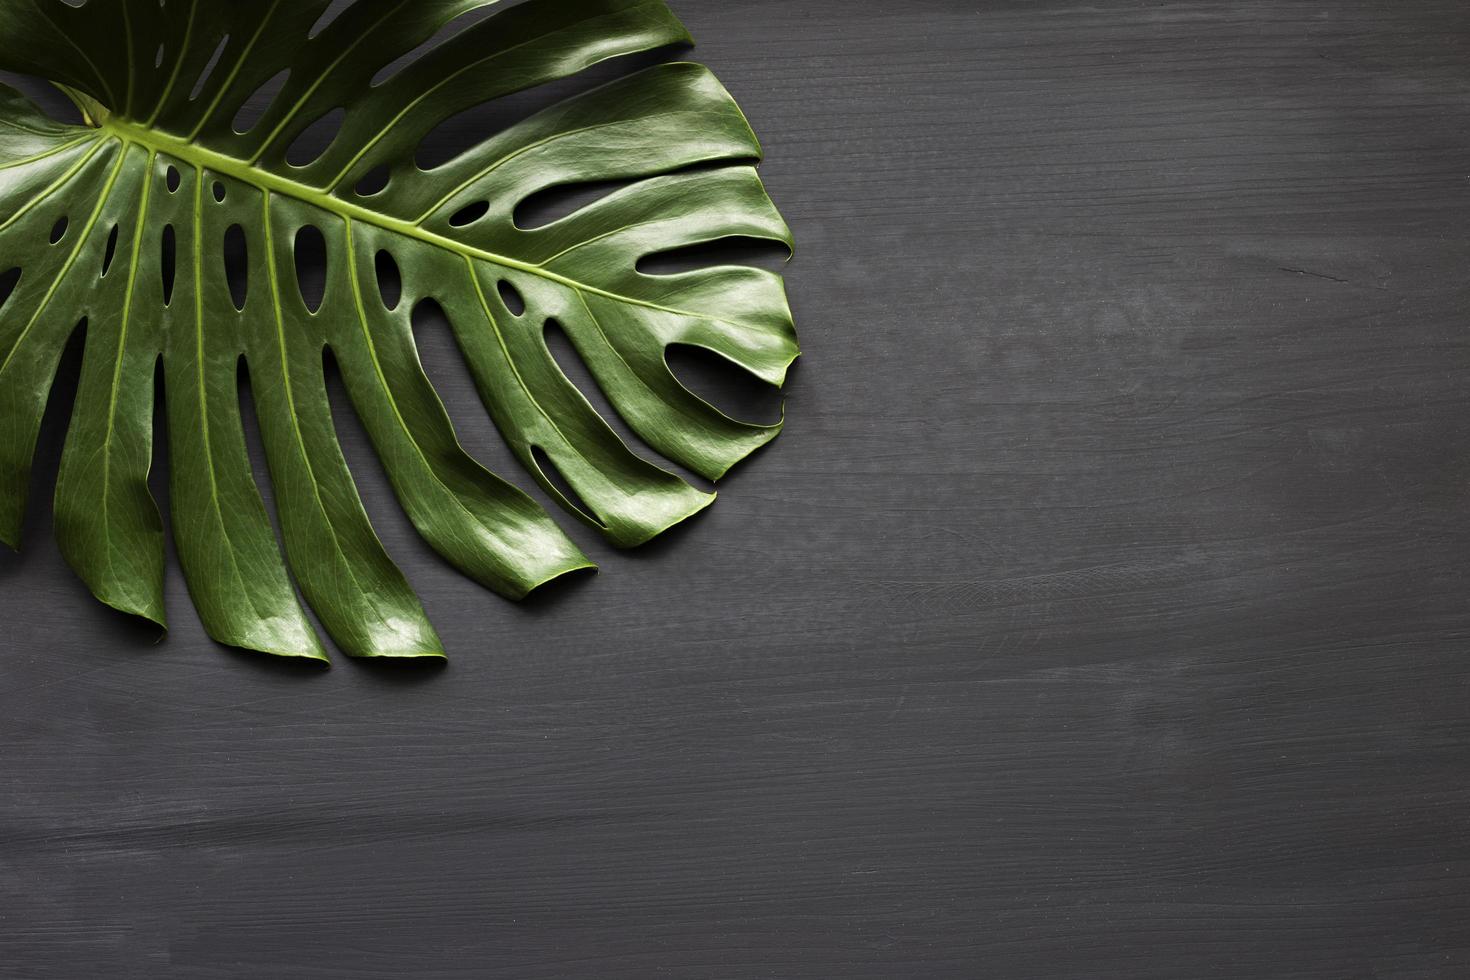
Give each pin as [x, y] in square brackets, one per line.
[267, 181]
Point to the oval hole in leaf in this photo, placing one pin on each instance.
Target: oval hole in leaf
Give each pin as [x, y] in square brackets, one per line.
[311, 266]
[58, 230]
[511, 297]
[8, 281]
[375, 181]
[758, 252]
[453, 137]
[390, 280]
[169, 252]
[332, 12]
[469, 214]
[564, 200]
[172, 179]
[571, 499]
[254, 107]
[724, 384]
[237, 265]
[110, 251]
[314, 139]
[219, 192]
[209, 66]
[460, 133]
[460, 23]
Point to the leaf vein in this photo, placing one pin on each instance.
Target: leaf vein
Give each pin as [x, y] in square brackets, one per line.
[70, 261]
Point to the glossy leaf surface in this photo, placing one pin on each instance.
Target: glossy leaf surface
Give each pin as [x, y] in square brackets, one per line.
[171, 232]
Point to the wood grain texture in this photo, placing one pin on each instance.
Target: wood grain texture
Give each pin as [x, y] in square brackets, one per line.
[1102, 613]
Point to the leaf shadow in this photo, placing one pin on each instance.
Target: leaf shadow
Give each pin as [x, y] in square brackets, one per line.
[268, 665]
[544, 600]
[401, 673]
[669, 540]
[123, 629]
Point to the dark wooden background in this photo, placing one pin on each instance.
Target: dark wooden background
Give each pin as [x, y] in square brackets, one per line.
[1103, 612]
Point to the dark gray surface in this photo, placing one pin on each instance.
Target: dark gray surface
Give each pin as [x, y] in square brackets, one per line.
[1101, 614]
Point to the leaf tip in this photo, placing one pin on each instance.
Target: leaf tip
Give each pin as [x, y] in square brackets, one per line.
[560, 576]
[309, 657]
[149, 611]
[312, 653]
[782, 374]
[704, 503]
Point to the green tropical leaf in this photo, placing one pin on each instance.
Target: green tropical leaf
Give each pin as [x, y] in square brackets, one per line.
[118, 228]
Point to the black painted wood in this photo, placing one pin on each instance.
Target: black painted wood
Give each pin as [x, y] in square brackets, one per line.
[1103, 612]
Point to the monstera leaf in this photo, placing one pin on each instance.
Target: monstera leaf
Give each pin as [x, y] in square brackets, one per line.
[120, 228]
